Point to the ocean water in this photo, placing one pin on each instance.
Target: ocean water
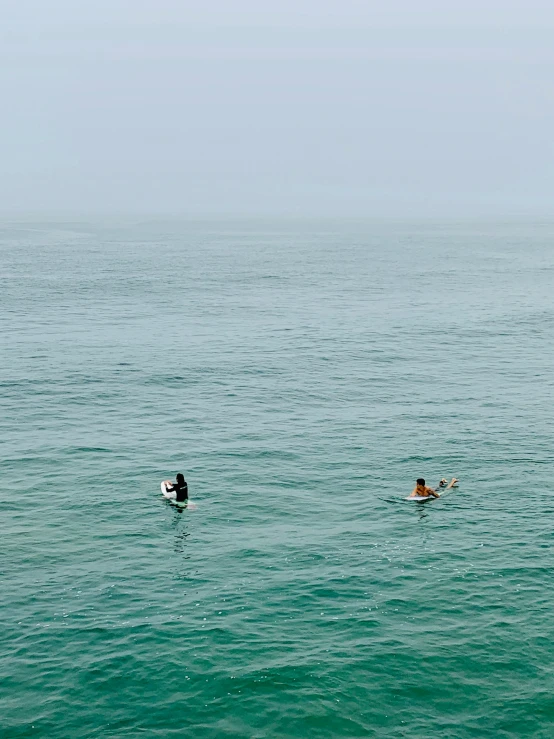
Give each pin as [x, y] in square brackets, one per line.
[301, 375]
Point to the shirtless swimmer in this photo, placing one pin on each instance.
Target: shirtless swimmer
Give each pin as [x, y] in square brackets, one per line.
[423, 491]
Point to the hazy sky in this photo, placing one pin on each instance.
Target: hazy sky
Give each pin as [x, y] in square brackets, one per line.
[396, 107]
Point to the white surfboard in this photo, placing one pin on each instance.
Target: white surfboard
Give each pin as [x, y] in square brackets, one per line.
[169, 494]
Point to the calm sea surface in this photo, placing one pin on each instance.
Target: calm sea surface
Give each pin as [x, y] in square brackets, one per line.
[301, 376]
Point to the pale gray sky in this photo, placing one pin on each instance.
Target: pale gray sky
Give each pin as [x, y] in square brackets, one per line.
[397, 107]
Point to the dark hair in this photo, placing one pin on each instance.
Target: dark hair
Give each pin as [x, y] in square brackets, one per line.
[419, 481]
[180, 478]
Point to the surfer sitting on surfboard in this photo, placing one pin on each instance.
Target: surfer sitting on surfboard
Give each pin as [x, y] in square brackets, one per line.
[180, 487]
[422, 491]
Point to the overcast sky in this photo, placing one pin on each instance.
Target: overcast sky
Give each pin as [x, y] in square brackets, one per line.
[315, 107]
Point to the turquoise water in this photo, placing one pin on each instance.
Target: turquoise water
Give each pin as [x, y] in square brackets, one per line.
[301, 375]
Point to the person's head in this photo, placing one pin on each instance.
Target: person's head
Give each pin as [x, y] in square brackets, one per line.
[180, 478]
[420, 482]
[443, 482]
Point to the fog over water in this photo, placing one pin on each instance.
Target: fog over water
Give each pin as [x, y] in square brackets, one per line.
[217, 108]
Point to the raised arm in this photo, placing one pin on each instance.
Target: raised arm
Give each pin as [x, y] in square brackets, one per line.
[452, 482]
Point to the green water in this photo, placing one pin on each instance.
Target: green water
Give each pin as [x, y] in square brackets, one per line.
[301, 376]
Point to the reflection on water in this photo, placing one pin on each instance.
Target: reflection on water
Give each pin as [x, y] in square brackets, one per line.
[421, 511]
[180, 548]
[180, 541]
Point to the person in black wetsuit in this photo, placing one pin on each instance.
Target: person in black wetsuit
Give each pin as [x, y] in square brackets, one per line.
[180, 487]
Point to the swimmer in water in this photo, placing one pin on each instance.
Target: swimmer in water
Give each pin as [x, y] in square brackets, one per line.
[180, 487]
[421, 489]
